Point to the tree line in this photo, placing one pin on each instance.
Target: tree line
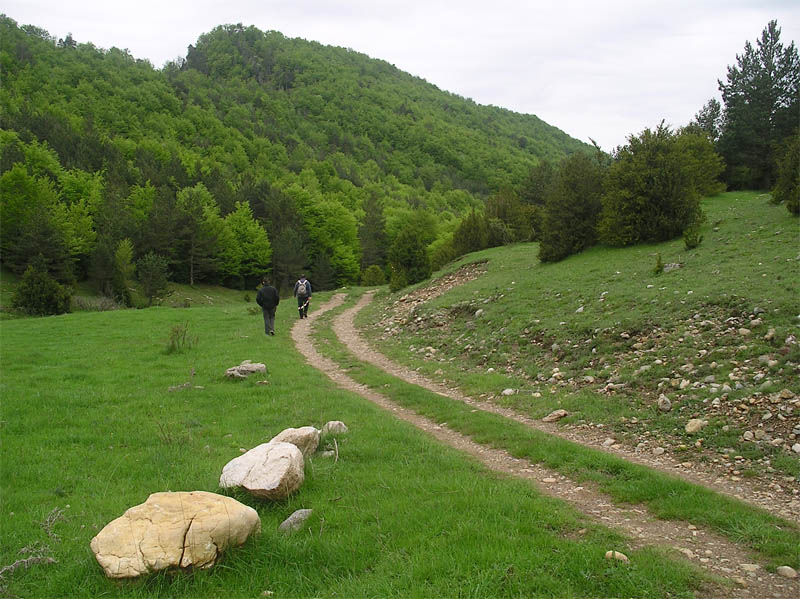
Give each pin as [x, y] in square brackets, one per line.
[649, 189]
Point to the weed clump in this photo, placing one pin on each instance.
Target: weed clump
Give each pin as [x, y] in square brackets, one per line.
[180, 339]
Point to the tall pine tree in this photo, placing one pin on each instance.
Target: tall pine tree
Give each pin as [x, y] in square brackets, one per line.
[761, 106]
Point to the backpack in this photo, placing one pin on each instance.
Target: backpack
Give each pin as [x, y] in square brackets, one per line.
[302, 288]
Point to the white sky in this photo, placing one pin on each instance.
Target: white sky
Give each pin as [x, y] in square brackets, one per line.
[603, 69]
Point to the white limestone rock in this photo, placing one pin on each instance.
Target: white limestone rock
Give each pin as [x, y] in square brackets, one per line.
[268, 471]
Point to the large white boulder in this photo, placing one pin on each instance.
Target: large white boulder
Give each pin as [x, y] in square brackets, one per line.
[269, 471]
[184, 529]
[306, 438]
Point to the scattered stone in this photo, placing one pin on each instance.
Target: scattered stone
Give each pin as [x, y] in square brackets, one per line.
[617, 556]
[609, 442]
[295, 521]
[658, 451]
[796, 448]
[748, 435]
[744, 332]
[695, 425]
[334, 427]
[245, 369]
[770, 335]
[269, 471]
[750, 568]
[478, 313]
[555, 415]
[579, 310]
[786, 394]
[186, 530]
[664, 404]
[305, 438]
[786, 572]
[548, 480]
[508, 392]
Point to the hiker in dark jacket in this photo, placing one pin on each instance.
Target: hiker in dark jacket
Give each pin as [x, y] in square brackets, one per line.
[268, 298]
[302, 291]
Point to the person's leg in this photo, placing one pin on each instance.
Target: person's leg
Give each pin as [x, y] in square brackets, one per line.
[300, 301]
[305, 308]
[271, 323]
[267, 326]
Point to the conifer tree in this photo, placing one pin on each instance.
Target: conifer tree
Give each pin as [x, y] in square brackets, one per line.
[762, 97]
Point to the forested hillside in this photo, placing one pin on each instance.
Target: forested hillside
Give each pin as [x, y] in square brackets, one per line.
[256, 153]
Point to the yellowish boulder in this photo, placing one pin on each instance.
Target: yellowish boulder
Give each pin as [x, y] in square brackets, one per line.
[185, 529]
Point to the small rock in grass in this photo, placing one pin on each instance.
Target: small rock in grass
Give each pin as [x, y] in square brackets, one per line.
[658, 451]
[695, 425]
[750, 568]
[334, 427]
[617, 556]
[664, 404]
[295, 521]
[508, 392]
[555, 415]
[796, 448]
[786, 572]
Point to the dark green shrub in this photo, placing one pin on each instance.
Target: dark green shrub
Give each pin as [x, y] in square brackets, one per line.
[787, 187]
[409, 255]
[152, 272]
[398, 280]
[572, 207]
[651, 191]
[373, 276]
[472, 234]
[39, 294]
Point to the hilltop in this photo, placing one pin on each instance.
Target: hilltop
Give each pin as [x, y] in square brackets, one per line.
[308, 141]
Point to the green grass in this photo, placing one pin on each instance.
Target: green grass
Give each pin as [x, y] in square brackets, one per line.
[630, 318]
[89, 427]
[666, 497]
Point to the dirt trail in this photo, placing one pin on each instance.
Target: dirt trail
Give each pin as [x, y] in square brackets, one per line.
[701, 547]
[751, 491]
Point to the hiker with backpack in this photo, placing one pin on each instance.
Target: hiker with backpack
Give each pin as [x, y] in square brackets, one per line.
[302, 291]
[268, 298]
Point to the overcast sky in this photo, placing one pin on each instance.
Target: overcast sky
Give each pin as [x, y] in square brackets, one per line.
[594, 68]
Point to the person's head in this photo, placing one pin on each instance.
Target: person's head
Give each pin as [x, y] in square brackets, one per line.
[302, 277]
[264, 281]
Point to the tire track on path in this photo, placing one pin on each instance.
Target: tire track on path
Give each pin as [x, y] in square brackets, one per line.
[703, 548]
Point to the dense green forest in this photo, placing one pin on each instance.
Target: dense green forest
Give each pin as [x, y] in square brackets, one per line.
[259, 154]
[256, 153]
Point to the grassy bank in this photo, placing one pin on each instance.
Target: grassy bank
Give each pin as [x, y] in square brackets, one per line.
[603, 336]
[666, 497]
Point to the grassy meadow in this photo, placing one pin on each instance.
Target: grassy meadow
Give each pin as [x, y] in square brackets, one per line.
[90, 428]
